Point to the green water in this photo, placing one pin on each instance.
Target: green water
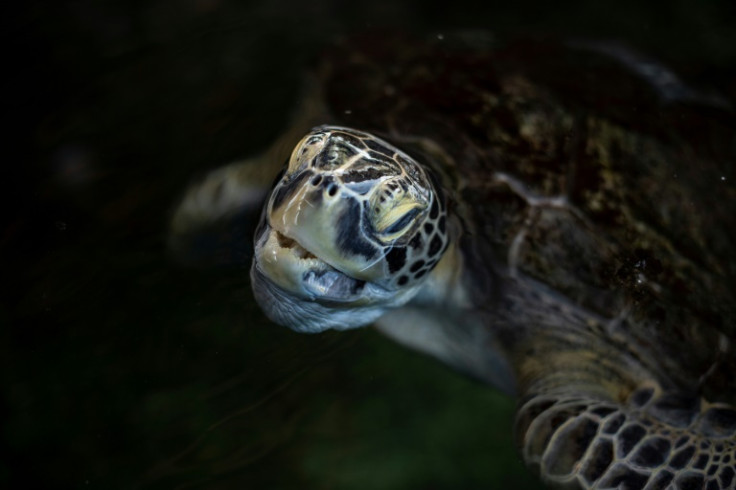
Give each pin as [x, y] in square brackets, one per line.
[124, 370]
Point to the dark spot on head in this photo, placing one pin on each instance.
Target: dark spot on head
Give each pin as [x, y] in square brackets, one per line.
[332, 189]
[428, 228]
[441, 224]
[403, 280]
[324, 159]
[349, 138]
[376, 146]
[362, 174]
[435, 246]
[416, 266]
[420, 273]
[350, 239]
[316, 180]
[712, 469]
[396, 258]
[712, 485]
[416, 241]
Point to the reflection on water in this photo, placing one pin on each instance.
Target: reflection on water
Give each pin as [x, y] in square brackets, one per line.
[124, 370]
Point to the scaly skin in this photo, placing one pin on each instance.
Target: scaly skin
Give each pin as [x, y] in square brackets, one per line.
[653, 440]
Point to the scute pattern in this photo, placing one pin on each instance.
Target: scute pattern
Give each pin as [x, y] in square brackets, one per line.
[367, 159]
[574, 443]
[384, 192]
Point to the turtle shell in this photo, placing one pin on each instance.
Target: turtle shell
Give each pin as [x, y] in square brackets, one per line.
[584, 166]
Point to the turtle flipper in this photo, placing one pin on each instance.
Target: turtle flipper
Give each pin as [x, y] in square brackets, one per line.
[655, 440]
[215, 220]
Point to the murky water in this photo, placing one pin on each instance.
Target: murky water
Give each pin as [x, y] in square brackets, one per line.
[123, 369]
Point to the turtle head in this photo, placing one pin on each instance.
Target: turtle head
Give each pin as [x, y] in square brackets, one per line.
[351, 228]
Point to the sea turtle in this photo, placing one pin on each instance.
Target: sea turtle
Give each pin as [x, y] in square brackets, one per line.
[555, 219]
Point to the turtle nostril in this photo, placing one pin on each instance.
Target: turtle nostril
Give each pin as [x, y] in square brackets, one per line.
[332, 190]
[316, 180]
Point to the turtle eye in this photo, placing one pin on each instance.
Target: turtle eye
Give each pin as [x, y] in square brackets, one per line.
[396, 222]
[402, 223]
[396, 207]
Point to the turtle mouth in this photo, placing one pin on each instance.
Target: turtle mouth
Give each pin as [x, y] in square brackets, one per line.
[302, 272]
[295, 247]
[297, 289]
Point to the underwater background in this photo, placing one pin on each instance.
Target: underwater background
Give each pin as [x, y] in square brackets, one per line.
[124, 370]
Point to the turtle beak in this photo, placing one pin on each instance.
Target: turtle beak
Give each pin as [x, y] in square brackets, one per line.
[326, 220]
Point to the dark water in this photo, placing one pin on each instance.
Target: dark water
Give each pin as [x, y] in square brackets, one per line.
[122, 369]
